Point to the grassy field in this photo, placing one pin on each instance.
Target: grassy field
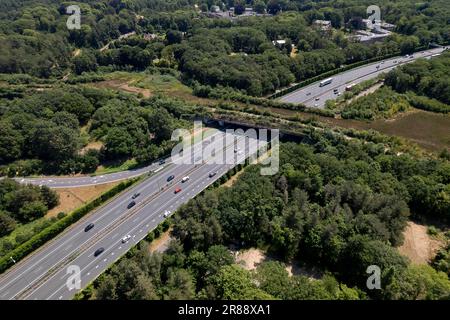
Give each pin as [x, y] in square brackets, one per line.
[427, 129]
[148, 85]
[73, 198]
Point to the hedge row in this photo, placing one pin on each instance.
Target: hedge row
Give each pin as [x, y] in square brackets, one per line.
[426, 103]
[229, 94]
[52, 231]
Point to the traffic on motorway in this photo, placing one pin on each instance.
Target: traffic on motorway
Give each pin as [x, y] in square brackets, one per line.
[98, 240]
[316, 94]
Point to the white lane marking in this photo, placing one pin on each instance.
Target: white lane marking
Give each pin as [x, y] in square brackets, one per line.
[4, 294]
[96, 267]
[104, 260]
[88, 274]
[115, 236]
[60, 297]
[120, 247]
[88, 265]
[112, 253]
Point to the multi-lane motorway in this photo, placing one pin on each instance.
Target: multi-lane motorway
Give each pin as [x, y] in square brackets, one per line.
[315, 96]
[43, 275]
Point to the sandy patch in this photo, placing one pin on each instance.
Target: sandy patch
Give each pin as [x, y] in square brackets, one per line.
[73, 198]
[419, 247]
[162, 243]
[249, 259]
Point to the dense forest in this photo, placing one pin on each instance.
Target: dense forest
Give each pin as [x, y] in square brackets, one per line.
[48, 131]
[236, 53]
[21, 204]
[338, 204]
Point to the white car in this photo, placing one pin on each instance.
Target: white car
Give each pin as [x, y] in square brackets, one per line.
[126, 238]
[185, 179]
[167, 213]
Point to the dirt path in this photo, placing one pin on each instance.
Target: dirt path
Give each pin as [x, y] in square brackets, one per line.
[124, 86]
[419, 247]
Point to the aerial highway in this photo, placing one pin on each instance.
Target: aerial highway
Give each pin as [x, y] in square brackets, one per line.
[86, 180]
[117, 226]
[315, 95]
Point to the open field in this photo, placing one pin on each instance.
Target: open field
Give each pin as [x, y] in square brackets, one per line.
[427, 129]
[149, 85]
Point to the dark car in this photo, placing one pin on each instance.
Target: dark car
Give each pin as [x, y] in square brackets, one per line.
[136, 195]
[99, 251]
[88, 227]
[212, 174]
[170, 178]
[161, 162]
[131, 204]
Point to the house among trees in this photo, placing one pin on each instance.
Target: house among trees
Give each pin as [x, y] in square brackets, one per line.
[324, 25]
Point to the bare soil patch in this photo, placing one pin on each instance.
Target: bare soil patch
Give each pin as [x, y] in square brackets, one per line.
[162, 243]
[418, 246]
[122, 85]
[73, 198]
[249, 259]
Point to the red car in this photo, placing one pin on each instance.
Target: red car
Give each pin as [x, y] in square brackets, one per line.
[177, 190]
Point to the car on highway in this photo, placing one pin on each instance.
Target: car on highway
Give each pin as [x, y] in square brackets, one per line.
[185, 179]
[135, 195]
[316, 105]
[131, 204]
[167, 213]
[177, 190]
[395, 61]
[99, 251]
[335, 91]
[126, 238]
[161, 162]
[212, 174]
[308, 94]
[88, 227]
[170, 178]
[317, 99]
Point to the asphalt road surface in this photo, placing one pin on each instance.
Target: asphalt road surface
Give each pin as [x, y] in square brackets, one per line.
[85, 181]
[43, 275]
[315, 96]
